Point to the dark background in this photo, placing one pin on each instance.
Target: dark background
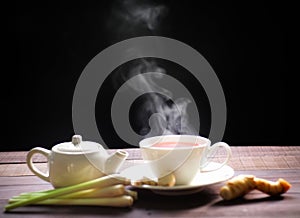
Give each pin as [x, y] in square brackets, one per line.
[245, 43]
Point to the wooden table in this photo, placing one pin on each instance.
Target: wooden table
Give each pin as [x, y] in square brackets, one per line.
[269, 162]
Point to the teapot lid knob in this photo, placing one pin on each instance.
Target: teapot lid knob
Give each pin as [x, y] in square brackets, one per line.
[76, 139]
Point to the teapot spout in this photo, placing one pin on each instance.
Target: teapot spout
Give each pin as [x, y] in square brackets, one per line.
[115, 161]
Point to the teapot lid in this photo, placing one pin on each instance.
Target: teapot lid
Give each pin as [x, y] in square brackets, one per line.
[77, 146]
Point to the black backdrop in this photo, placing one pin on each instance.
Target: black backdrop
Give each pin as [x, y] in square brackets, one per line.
[245, 43]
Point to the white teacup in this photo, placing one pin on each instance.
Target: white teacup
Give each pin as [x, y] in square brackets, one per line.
[182, 155]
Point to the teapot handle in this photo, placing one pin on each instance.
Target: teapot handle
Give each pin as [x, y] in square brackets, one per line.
[32, 167]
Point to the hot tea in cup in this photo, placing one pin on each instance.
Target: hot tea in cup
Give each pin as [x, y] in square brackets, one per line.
[181, 155]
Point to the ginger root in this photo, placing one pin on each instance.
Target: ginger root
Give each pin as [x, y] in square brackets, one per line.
[242, 184]
[237, 187]
[272, 188]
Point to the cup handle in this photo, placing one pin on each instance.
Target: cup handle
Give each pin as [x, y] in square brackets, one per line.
[210, 150]
[32, 167]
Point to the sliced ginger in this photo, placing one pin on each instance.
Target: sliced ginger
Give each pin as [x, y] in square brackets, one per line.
[145, 181]
[242, 184]
[168, 180]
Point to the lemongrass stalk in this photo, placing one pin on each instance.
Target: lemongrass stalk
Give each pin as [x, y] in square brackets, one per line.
[118, 201]
[38, 192]
[131, 193]
[13, 200]
[96, 183]
[110, 191]
[33, 194]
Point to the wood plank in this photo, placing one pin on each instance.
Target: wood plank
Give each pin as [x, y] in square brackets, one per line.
[20, 156]
[269, 162]
[24, 180]
[293, 174]
[134, 154]
[206, 203]
[20, 169]
[237, 163]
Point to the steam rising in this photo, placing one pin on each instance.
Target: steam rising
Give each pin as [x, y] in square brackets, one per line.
[141, 17]
[136, 17]
[144, 14]
[166, 116]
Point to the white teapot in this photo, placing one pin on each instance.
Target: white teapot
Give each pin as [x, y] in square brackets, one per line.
[74, 162]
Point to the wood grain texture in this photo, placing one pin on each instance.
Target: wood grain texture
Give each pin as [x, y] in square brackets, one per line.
[206, 203]
[265, 162]
[243, 158]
